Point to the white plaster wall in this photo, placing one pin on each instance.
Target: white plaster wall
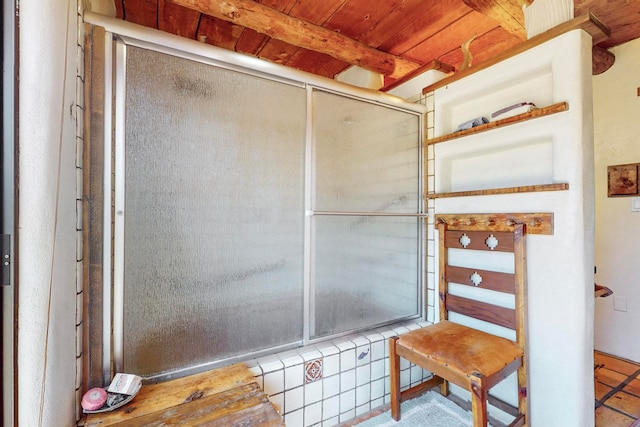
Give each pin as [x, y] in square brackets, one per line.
[411, 90]
[47, 213]
[560, 267]
[616, 110]
[360, 77]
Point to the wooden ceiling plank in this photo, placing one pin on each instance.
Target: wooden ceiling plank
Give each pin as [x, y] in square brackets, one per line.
[432, 17]
[508, 13]
[251, 41]
[357, 18]
[177, 19]
[277, 51]
[483, 47]
[297, 32]
[405, 12]
[316, 12]
[317, 63]
[452, 37]
[143, 12]
[218, 32]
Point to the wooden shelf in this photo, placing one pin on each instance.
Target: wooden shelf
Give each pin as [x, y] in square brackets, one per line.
[507, 190]
[538, 112]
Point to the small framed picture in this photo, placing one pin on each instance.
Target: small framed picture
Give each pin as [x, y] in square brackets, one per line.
[623, 180]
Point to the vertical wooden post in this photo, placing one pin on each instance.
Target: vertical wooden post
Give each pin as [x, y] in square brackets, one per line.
[394, 377]
[519, 252]
[443, 254]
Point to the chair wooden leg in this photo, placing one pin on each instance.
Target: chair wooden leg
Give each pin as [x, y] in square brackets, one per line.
[444, 388]
[479, 401]
[394, 374]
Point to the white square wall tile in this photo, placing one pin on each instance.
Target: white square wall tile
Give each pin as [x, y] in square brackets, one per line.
[293, 376]
[377, 389]
[294, 419]
[312, 392]
[346, 416]
[313, 414]
[332, 422]
[373, 338]
[347, 380]
[292, 360]
[330, 365]
[412, 326]
[293, 399]
[377, 369]
[254, 368]
[404, 363]
[331, 407]
[271, 366]
[347, 401]
[329, 350]
[363, 394]
[274, 382]
[405, 378]
[311, 355]
[416, 374]
[361, 341]
[377, 403]
[330, 386]
[377, 350]
[345, 345]
[347, 360]
[362, 409]
[388, 333]
[363, 374]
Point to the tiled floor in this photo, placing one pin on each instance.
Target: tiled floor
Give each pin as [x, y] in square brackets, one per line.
[617, 385]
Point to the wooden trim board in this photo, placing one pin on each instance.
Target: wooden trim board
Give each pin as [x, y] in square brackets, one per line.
[537, 223]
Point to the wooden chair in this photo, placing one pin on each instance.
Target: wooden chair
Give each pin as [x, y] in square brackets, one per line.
[467, 357]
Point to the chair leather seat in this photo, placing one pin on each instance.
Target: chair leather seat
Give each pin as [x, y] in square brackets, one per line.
[461, 348]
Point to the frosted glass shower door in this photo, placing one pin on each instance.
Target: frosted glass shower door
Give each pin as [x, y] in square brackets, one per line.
[214, 213]
[366, 223]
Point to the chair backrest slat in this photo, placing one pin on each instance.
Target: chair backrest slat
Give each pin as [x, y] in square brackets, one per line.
[480, 240]
[481, 310]
[493, 280]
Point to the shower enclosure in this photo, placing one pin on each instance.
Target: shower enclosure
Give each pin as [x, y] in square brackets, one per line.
[255, 211]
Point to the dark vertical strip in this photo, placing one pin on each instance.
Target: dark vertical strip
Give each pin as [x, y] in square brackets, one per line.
[93, 205]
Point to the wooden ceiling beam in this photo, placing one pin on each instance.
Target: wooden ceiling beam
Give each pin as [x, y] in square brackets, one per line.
[508, 13]
[280, 26]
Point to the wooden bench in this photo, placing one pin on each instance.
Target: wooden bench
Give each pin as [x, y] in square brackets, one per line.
[222, 397]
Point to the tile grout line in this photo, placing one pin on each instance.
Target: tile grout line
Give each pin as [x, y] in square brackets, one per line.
[615, 390]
